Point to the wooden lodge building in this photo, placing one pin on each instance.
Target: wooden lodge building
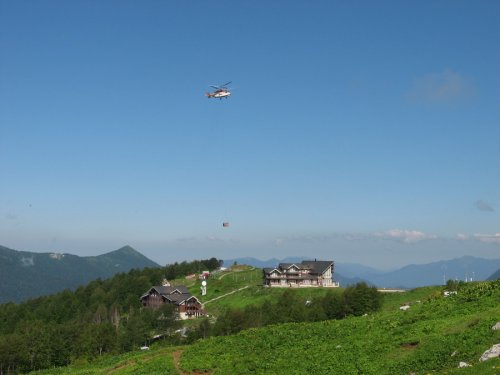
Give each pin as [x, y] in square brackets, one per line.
[187, 305]
[309, 273]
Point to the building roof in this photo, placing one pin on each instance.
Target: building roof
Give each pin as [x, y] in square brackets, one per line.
[175, 293]
[288, 265]
[269, 270]
[177, 298]
[318, 266]
[315, 266]
[179, 289]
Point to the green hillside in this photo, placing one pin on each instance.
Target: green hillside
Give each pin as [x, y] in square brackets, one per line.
[239, 287]
[433, 336]
[155, 361]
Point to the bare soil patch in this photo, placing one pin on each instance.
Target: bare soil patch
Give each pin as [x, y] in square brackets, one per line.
[410, 345]
[177, 357]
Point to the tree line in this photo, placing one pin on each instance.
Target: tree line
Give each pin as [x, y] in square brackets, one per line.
[104, 316]
[355, 300]
[173, 271]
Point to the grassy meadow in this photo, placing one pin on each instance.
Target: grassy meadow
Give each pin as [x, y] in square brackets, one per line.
[432, 337]
[157, 360]
[234, 280]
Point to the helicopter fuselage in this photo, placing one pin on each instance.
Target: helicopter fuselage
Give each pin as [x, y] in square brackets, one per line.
[218, 94]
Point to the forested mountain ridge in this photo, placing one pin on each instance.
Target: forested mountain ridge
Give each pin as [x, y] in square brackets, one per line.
[26, 274]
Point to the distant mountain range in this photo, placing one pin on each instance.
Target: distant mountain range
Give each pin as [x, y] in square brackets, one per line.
[436, 273]
[26, 275]
[410, 276]
[495, 276]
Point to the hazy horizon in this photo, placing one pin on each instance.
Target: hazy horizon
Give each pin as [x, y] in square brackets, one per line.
[381, 266]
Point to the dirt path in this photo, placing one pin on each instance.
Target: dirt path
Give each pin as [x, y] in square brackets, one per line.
[131, 362]
[232, 272]
[224, 295]
[177, 357]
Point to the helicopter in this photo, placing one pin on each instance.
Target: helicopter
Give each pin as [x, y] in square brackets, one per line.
[220, 92]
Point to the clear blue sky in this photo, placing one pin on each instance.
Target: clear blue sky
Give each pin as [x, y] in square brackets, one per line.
[360, 131]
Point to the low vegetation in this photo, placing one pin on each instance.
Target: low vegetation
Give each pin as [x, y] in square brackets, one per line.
[291, 306]
[224, 282]
[433, 336]
[254, 330]
[155, 361]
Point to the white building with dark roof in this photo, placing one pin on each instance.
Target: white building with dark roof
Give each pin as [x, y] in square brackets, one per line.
[309, 273]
